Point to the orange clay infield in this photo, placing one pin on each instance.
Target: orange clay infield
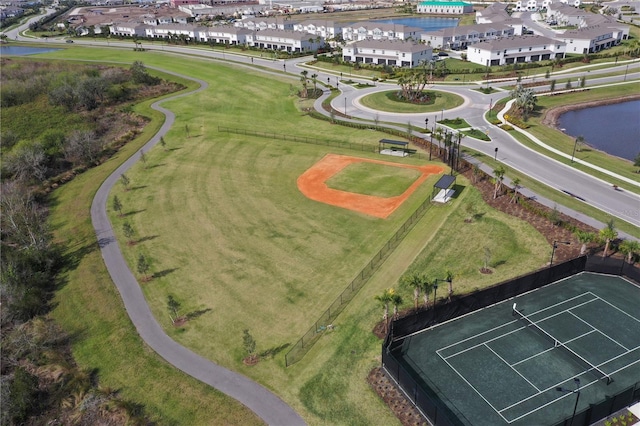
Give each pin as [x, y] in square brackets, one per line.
[312, 184]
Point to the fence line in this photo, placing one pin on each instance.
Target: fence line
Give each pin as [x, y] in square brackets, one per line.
[306, 342]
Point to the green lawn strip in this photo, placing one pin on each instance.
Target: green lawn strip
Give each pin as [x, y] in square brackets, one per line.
[554, 195]
[455, 123]
[477, 134]
[89, 308]
[385, 101]
[379, 180]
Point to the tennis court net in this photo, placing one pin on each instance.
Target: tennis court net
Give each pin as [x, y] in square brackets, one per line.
[558, 344]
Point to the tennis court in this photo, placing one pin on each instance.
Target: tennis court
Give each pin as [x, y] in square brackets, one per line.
[504, 366]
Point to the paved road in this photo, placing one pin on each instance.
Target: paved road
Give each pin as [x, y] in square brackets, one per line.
[265, 404]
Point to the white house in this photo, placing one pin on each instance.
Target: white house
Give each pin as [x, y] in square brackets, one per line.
[457, 38]
[379, 31]
[190, 32]
[259, 24]
[224, 35]
[319, 27]
[495, 13]
[509, 50]
[387, 52]
[128, 29]
[444, 7]
[564, 14]
[290, 41]
[591, 39]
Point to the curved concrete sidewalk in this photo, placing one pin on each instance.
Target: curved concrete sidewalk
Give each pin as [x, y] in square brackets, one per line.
[258, 399]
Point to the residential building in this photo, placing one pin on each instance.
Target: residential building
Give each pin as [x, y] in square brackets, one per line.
[379, 31]
[189, 32]
[260, 24]
[591, 39]
[319, 27]
[565, 15]
[509, 50]
[290, 41]
[497, 14]
[444, 7]
[225, 35]
[457, 38]
[128, 29]
[387, 52]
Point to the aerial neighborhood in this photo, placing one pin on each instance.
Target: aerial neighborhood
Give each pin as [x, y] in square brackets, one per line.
[495, 38]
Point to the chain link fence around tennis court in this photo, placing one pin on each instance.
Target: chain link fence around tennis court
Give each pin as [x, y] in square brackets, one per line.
[424, 394]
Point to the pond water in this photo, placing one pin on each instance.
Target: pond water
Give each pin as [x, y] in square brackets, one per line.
[614, 129]
[22, 50]
[426, 23]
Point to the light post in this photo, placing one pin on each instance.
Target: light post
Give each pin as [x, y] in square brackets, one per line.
[490, 105]
[426, 124]
[577, 392]
[575, 144]
[435, 296]
[284, 67]
[345, 105]
[553, 250]
[625, 72]
[495, 155]
[442, 116]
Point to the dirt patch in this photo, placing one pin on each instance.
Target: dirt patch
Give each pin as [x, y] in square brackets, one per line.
[312, 184]
[387, 390]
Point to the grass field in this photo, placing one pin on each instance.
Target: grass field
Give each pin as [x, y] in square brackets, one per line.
[228, 233]
[373, 179]
[385, 101]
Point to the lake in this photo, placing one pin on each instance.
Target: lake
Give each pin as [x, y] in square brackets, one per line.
[614, 129]
[426, 23]
[22, 50]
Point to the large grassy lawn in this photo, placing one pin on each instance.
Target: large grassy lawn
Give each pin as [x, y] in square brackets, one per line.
[228, 234]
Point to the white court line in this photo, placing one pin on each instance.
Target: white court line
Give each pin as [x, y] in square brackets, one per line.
[511, 366]
[510, 332]
[476, 390]
[511, 322]
[615, 307]
[550, 349]
[595, 298]
[557, 399]
[599, 331]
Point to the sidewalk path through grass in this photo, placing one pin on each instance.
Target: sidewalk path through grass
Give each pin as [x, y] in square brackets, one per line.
[268, 406]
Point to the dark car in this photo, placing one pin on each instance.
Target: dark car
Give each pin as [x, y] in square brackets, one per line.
[443, 54]
[69, 41]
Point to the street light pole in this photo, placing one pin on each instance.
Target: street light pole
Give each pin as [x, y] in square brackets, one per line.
[495, 155]
[576, 381]
[553, 250]
[575, 144]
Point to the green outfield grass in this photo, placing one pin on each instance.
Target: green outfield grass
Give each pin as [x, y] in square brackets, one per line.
[228, 233]
[386, 101]
[373, 179]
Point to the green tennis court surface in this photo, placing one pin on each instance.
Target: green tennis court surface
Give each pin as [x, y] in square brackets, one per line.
[492, 367]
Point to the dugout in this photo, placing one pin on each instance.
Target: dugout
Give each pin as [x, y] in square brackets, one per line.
[397, 148]
[442, 190]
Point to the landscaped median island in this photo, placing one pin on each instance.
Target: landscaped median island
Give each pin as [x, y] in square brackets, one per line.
[428, 101]
[231, 243]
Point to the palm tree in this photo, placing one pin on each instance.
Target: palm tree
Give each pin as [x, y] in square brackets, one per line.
[608, 234]
[385, 299]
[499, 176]
[414, 282]
[516, 188]
[584, 237]
[396, 299]
[303, 80]
[426, 287]
[314, 78]
[630, 248]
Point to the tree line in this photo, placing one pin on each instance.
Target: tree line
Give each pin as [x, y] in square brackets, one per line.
[39, 378]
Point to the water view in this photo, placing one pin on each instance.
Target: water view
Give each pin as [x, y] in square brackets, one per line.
[425, 23]
[22, 50]
[614, 129]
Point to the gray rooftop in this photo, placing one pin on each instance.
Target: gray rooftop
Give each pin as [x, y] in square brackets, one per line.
[400, 45]
[516, 41]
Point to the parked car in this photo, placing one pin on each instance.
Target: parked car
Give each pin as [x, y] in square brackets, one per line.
[443, 54]
[69, 41]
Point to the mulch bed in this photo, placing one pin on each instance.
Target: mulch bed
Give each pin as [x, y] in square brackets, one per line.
[382, 384]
